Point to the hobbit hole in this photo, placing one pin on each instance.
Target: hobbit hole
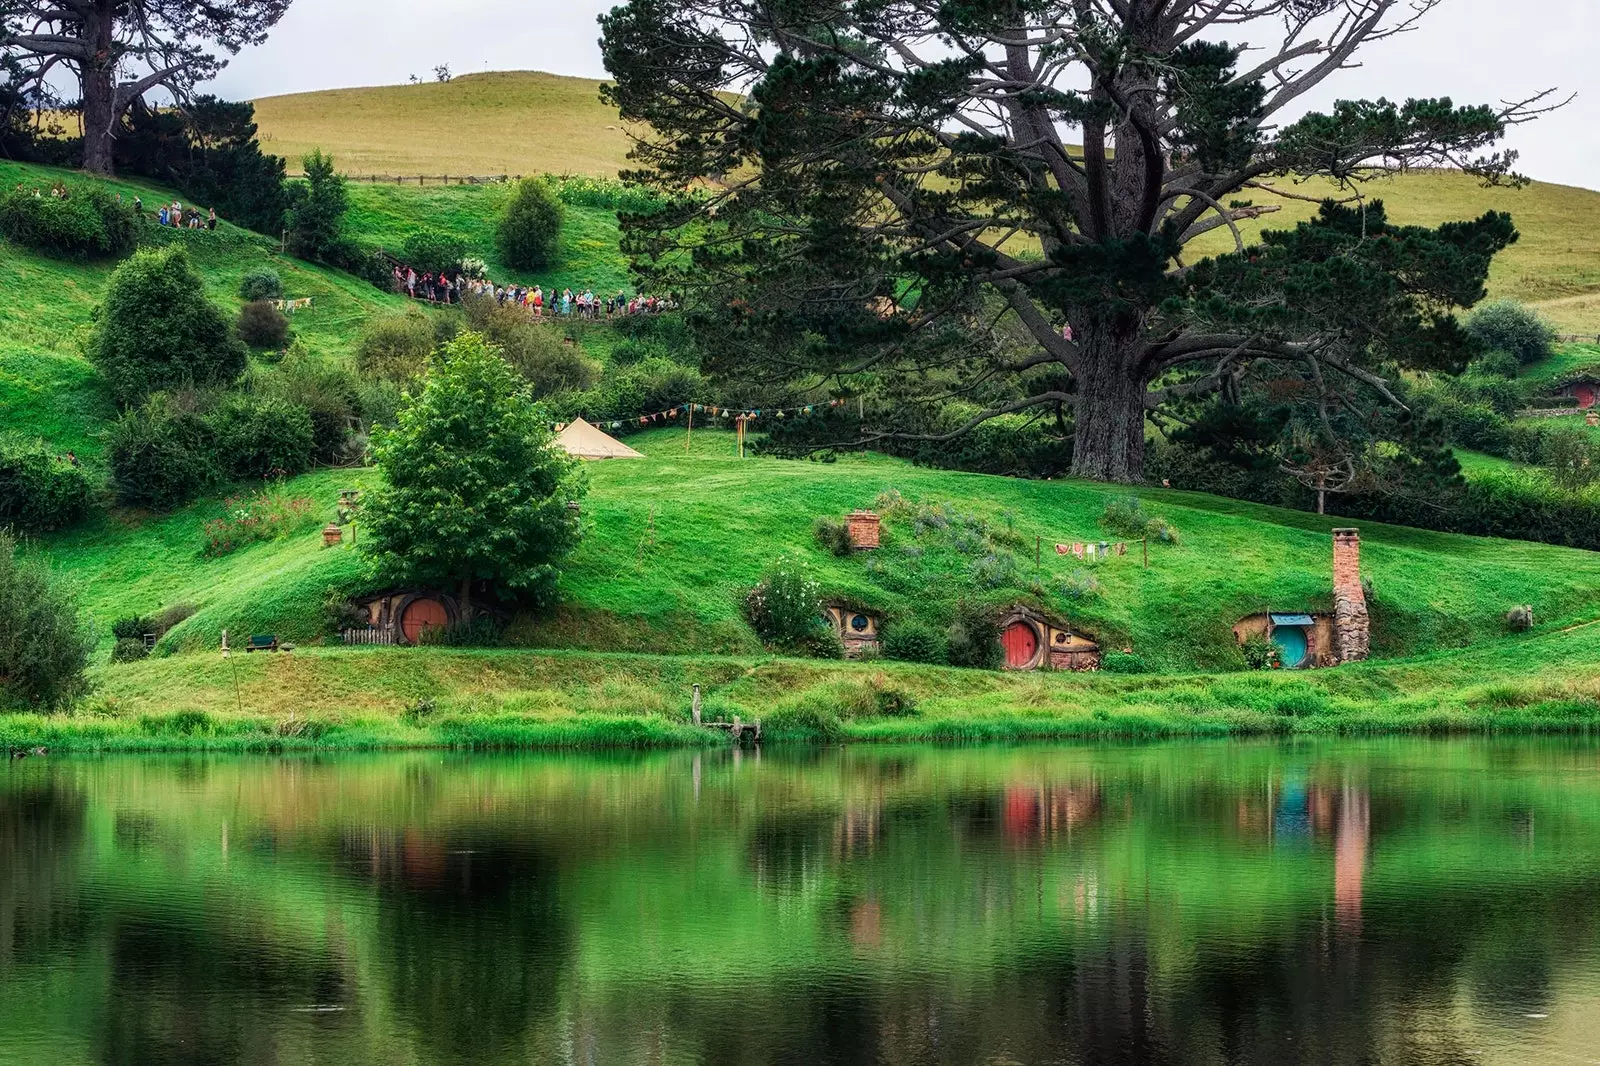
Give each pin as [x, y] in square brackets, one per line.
[859, 630]
[1032, 641]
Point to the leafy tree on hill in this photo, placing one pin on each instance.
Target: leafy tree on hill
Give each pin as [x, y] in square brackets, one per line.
[317, 208]
[44, 640]
[1514, 329]
[155, 44]
[893, 195]
[529, 233]
[158, 331]
[474, 489]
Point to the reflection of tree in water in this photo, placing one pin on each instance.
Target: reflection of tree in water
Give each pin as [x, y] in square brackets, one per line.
[472, 943]
[41, 837]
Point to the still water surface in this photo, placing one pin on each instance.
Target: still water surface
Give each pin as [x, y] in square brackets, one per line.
[1374, 902]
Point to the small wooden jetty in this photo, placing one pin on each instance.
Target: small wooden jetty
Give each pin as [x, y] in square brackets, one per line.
[739, 731]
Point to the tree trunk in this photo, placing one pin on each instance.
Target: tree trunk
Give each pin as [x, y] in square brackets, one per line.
[99, 94]
[464, 602]
[1108, 443]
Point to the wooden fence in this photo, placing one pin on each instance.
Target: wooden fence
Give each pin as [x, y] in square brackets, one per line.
[429, 179]
[373, 637]
[1578, 338]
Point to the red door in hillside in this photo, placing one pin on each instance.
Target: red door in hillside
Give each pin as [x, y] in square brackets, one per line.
[1021, 644]
[420, 615]
[1584, 394]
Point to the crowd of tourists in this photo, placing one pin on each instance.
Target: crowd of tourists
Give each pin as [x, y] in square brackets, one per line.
[452, 288]
[174, 214]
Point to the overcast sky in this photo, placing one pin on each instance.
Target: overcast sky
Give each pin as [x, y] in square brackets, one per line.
[1477, 51]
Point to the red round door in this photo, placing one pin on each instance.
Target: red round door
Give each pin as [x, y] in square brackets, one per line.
[1021, 642]
[420, 615]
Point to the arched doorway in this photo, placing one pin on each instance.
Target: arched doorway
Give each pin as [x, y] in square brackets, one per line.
[1021, 642]
[420, 615]
[1294, 648]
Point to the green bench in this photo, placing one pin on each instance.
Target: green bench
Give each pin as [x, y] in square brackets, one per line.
[262, 642]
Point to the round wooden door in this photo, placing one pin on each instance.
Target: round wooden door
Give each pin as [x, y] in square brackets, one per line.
[1584, 394]
[1021, 642]
[1294, 647]
[420, 615]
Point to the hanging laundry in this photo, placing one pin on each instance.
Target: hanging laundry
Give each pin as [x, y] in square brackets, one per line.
[1091, 552]
[1077, 550]
[1122, 548]
[1063, 549]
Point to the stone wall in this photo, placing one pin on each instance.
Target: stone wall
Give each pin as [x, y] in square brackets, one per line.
[1352, 628]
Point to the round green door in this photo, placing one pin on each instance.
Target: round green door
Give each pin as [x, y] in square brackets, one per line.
[1293, 648]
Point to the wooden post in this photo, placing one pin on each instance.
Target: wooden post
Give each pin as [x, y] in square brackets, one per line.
[736, 730]
[1147, 553]
[696, 709]
[1038, 552]
[688, 438]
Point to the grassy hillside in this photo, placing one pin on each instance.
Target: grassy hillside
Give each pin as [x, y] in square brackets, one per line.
[517, 122]
[525, 122]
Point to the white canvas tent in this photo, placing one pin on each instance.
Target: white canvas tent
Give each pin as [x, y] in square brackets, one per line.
[584, 441]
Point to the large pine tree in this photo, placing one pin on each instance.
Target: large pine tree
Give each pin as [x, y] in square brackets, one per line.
[898, 192]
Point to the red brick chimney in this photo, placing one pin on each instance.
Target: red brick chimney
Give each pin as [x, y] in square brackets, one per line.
[864, 530]
[1352, 630]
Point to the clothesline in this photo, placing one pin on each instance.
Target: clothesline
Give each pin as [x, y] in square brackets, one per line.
[733, 414]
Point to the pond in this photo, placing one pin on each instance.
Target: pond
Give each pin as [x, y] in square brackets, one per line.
[1392, 901]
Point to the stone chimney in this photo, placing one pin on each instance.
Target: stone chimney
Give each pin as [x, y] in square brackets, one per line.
[1352, 631]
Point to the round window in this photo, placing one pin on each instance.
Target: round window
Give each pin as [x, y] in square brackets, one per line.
[859, 623]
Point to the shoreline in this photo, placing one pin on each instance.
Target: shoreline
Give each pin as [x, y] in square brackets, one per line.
[373, 699]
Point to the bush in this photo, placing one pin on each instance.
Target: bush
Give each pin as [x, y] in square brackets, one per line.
[434, 252]
[316, 212]
[160, 455]
[834, 536]
[529, 233]
[785, 609]
[262, 283]
[132, 627]
[1125, 517]
[1260, 653]
[973, 640]
[88, 224]
[911, 641]
[1510, 327]
[1123, 662]
[396, 348]
[536, 352]
[129, 650]
[158, 330]
[44, 640]
[261, 436]
[331, 394]
[40, 492]
[262, 325]
[1572, 458]
[1519, 619]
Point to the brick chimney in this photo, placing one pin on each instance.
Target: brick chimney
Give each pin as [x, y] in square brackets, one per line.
[1352, 631]
[864, 530]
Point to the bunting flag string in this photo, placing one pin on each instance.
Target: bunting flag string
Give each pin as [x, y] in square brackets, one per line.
[718, 413]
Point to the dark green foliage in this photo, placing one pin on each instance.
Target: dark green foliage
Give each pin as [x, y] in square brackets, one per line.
[262, 283]
[833, 535]
[330, 393]
[158, 331]
[434, 252]
[45, 640]
[1124, 662]
[40, 491]
[910, 641]
[483, 631]
[1514, 329]
[88, 224]
[473, 490]
[316, 211]
[1260, 653]
[529, 233]
[262, 325]
[785, 609]
[161, 455]
[396, 347]
[973, 639]
[129, 650]
[132, 627]
[1519, 619]
[261, 436]
[650, 386]
[1572, 458]
[542, 356]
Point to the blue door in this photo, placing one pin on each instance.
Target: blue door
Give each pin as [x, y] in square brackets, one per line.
[1293, 647]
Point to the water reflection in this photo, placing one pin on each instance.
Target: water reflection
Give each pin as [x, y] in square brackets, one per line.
[1389, 902]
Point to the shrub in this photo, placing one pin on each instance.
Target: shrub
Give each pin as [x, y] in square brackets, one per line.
[785, 608]
[45, 641]
[158, 331]
[1260, 653]
[262, 325]
[88, 224]
[268, 514]
[396, 348]
[1124, 516]
[329, 391]
[316, 212]
[262, 283]
[433, 251]
[1497, 365]
[129, 650]
[1123, 662]
[536, 352]
[529, 233]
[261, 436]
[160, 455]
[1510, 327]
[132, 627]
[833, 534]
[973, 639]
[911, 641]
[1519, 619]
[39, 491]
[1162, 531]
[1572, 458]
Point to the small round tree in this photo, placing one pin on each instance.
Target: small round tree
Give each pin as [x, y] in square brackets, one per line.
[475, 488]
[44, 640]
[158, 330]
[1513, 328]
[529, 234]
